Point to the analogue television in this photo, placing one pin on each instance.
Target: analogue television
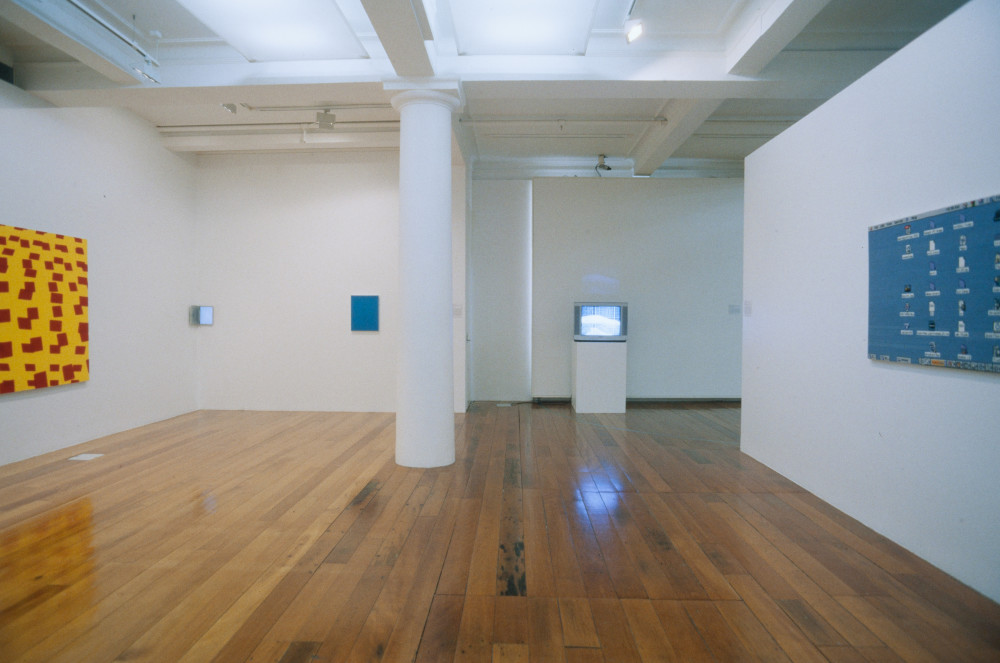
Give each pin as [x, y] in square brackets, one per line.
[600, 321]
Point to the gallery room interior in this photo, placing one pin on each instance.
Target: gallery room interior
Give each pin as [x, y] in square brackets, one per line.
[391, 234]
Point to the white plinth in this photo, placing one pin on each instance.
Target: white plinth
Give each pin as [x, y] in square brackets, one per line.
[599, 376]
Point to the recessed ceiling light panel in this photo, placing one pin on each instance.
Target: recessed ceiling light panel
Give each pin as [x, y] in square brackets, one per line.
[267, 31]
[523, 27]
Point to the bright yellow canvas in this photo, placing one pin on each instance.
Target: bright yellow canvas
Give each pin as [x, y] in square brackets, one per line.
[43, 310]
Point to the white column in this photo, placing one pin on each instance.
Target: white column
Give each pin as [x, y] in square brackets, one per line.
[425, 412]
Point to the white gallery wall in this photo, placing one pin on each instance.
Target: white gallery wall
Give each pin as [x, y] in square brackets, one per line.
[283, 242]
[276, 243]
[500, 290]
[912, 452]
[103, 175]
[672, 249]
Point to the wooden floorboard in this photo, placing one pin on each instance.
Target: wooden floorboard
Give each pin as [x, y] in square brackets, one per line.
[292, 537]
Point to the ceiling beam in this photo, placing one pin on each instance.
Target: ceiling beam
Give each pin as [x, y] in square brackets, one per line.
[400, 25]
[682, 75]
[683, 117]
[81, 37]
[760, 40]
[281, 141]
[802, 74]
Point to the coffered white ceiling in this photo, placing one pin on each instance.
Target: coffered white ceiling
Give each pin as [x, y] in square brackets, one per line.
[546, 85]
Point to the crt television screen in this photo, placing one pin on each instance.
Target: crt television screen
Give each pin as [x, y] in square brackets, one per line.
[600, 321]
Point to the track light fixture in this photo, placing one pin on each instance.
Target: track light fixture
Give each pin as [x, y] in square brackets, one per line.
[601, 165]
[633, 30]
[633, 26]
[325, 120]
[145, 70]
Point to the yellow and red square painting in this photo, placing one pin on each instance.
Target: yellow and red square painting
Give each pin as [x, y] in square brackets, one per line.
[43, 310]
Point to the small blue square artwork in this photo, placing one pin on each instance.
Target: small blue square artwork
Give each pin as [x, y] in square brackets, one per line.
[364, 312]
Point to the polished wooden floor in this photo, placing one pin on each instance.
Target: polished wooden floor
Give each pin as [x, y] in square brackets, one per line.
[293, 537]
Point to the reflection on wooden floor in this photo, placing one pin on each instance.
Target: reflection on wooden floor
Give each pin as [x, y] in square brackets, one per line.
[46, 566]
[293, 537]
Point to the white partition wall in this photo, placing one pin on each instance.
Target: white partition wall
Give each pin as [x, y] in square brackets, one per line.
[500, 290]
[912, 452]
[672, 249]
[102, 175]
[283, 241]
